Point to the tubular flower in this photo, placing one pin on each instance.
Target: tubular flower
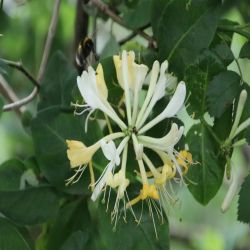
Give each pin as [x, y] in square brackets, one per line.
[154, 179]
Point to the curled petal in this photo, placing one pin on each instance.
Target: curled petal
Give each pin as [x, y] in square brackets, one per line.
[166, 142]
[110, 151]
[79, 154]
[171, 109]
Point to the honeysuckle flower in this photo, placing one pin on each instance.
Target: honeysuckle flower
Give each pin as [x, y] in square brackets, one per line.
[93, 89]
[154, 179]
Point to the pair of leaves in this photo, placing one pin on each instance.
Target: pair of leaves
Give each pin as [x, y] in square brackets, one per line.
[212, 89]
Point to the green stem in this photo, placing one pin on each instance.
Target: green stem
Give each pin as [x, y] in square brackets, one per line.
[235, 29]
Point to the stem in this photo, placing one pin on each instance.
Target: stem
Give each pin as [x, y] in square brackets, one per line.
[21, 68]
[106, 10]
[108, 124]
[234, 29]
[47, 48]
[92, 176]
[9, 94]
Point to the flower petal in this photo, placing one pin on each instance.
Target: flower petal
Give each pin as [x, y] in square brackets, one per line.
[98, 188]
[79, 154]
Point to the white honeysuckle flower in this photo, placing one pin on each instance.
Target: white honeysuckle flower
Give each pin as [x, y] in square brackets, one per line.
[93, 89]
[154, 179]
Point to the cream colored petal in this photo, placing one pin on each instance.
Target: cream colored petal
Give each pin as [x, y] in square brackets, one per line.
[118, 67]
[79, 154]
[100, 83]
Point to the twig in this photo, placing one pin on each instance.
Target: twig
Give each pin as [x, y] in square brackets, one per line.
[9, 94]
[127, 38]
[20, 67]
[50, 36]
[105, 9]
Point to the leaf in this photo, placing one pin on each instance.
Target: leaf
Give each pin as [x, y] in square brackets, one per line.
[245, 51]
[76, 241]
[222, 91]
[224, 52]
[58, 82]
[73, 220]
[29, 206]
[144, 237]
[244, 203]
[10, 174]
[50, 130]
[206, 176]
[197, 78]
[11, 238]
[183, 30]
[139, 15]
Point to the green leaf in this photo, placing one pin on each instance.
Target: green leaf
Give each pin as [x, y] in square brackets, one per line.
[50, 130]
[58, 83]
[206, 176]
[222, 91]
[183, 30]
[224, 53]
[245, 51]
[10, 174]
[76, 241]
[29, 206]
[197, 78]
[144, 237]
[138, 16]
[11, 238]
[222, 126]
[73, 220]
[244, 203]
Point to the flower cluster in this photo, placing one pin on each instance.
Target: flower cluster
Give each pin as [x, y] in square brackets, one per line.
[154, 180]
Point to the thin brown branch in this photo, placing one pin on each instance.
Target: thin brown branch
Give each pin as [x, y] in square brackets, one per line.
[106, 10]
[9, 94]
[21, 68]
[47, 48]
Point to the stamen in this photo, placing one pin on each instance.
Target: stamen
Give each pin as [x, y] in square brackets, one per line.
[77, 171]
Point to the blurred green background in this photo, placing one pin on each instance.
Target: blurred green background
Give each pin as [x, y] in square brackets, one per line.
[24, 25]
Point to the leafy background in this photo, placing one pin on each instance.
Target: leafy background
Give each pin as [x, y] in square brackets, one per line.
[207, 45]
